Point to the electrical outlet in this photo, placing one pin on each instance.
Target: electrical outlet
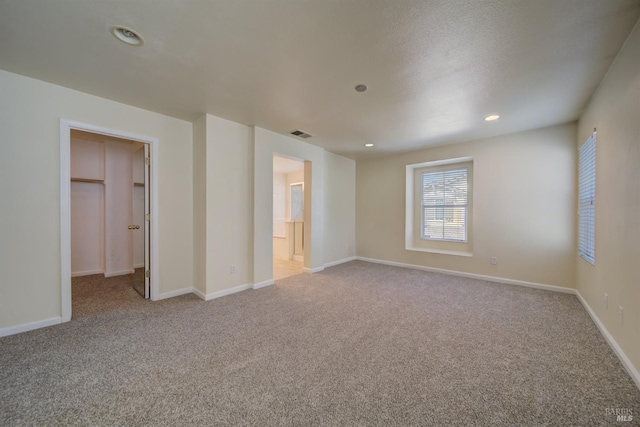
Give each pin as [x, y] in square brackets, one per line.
[494, 260]
[621, 314]
[606, 301]
[233, 268]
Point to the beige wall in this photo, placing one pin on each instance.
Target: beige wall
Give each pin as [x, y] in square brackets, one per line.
[340, 206]
[524, 206]
[200, 204]
[615, 111]
[30, 112]
[229, 204]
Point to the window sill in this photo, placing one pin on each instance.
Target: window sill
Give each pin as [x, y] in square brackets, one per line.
[440, 251]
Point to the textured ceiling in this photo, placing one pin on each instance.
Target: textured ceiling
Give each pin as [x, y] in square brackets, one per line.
[434, 68]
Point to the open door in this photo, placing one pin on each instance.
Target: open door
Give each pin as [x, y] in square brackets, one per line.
[141, 229]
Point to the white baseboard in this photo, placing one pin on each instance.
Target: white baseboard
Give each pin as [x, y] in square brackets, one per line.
[12, 330]
[313, 270]
[626, 363]
[553, 288]
[119, 273]
[224, 292]
[86, 273]
[260, 285]
[199, 294]
[138, 266]
[340, 261]
[175, 293]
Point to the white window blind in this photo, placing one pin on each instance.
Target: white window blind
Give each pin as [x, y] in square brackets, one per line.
[587, 200]
[444, 205]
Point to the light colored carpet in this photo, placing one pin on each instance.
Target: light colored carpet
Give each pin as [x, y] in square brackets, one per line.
[358, 344]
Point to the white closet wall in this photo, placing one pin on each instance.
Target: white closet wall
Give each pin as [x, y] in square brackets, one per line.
[103, 196]
[87, 225]
[119, 208]
[87, 206]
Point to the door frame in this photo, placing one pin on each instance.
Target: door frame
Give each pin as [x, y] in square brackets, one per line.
[66, 126]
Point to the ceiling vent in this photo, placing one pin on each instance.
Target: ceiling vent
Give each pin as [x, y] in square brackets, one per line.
[300, 134]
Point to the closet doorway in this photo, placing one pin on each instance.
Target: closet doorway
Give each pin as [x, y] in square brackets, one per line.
[108, 207]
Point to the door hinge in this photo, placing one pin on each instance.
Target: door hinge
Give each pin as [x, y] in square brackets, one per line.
[147, 273]
[147, 217]
[147, 160]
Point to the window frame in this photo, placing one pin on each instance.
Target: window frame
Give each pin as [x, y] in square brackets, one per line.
[413, 207]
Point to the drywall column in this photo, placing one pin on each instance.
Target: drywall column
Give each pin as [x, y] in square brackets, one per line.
[222, 206]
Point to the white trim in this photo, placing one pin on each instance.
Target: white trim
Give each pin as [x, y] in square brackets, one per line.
[626, 363]
[313, 269]
[439, 163]
[340, 261]
[12, 330]
[138, 266]
[225, 292]
[263, 284]
[65, 209]
[440, 251]
[199, 294]
[175, 293]
[87, 273]
[119, 273]
[553, 288]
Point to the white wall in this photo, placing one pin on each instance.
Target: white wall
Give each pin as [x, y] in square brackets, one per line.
[229, 204]
[87, 228]
[340, 207]
[222, 204]
[280, 246]
[615, 111]
[87, 157]
[200, 205]
[279, 204]
[87, 205]
[524, 206]
[118, 189]
[30, 112]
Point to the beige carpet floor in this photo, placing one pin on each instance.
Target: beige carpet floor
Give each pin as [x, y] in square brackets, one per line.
[358, 344]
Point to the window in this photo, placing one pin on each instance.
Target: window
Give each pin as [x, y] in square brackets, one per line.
[444, 205]
[439, 206]
[587, 200]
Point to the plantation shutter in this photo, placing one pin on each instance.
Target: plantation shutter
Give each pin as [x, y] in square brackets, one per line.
[587, 200]
[444, 205]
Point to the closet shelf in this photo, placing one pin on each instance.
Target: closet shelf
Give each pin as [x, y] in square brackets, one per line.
[95, 181]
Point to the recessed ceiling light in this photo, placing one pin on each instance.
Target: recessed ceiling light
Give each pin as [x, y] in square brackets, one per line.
[368, 145]
[127, 35]
[492, 117]
[361, 88]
